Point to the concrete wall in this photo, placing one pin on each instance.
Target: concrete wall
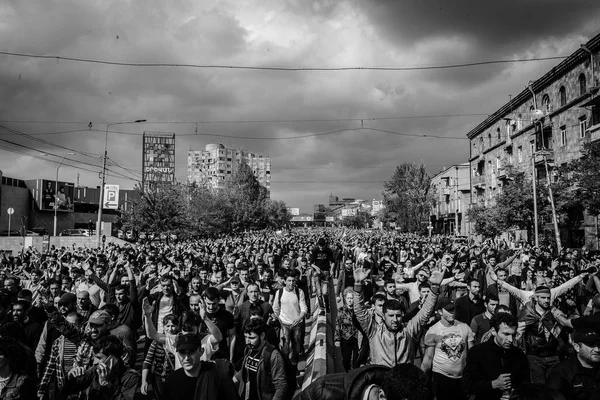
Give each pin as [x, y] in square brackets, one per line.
[17, 198]
[15, 244]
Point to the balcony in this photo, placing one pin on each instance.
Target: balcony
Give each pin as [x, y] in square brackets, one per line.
[478, 181]
[503, 173]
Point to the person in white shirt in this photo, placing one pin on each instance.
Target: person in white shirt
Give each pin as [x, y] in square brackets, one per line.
[289, 305]
[447, 344]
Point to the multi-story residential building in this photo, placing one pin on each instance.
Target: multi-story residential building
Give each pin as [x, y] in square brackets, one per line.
[452, 191]
[216, 163]
[549, 121]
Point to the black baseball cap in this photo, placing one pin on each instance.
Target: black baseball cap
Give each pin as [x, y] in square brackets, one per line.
[586, 335]
[445, 303]
[188, 342]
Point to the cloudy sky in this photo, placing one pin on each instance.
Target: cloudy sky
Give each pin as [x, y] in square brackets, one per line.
[54, 100]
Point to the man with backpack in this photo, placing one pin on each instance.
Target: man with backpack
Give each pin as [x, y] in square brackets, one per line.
[266, 374]
[289, 305]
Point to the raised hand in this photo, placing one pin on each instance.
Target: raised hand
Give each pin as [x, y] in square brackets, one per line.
[146, 306]
[360, 274]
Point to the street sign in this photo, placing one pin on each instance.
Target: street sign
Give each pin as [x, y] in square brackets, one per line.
[10, 211]
[111, 197]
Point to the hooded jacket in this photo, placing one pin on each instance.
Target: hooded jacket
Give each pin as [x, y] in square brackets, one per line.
[343, 386]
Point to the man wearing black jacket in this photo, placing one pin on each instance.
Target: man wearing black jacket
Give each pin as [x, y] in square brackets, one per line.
[496, 367]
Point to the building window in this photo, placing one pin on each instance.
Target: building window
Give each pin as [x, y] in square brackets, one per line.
[498, 134]
[582, 85]
[519, 122]
[489, 140]
[562, 94]
[563, 135]
[520, 154]
[546, 103]
[582, 127]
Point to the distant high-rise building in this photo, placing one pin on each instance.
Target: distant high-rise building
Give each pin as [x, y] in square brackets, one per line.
[216, 163]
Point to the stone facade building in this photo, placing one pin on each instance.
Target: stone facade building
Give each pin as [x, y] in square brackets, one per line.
[452, 190]
[549, 121]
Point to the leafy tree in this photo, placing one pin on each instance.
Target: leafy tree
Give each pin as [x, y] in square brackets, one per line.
[586, 177]
[486, 221]
[408, 197]
[159, 209]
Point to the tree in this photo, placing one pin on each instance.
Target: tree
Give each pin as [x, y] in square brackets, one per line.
[586, 177]
[158, 209]
[245, 199]
[486, 221]
[407, 197]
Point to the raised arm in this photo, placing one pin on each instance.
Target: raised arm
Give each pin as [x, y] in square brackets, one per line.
[149, 325]
[413, 327]
[363, 317]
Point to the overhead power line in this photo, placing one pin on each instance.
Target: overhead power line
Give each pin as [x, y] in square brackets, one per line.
[260, 121]
[273, 68]
[256, 137]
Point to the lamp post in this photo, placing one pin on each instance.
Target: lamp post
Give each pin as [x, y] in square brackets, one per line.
[56, 191]
[99, 224]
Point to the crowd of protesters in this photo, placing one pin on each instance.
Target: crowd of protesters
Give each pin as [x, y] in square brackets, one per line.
[225, 318]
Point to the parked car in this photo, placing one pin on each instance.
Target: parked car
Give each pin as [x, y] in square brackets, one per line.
[13, 232]
[75, 232]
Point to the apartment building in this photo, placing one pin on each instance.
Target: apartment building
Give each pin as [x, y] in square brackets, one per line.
[216, 163]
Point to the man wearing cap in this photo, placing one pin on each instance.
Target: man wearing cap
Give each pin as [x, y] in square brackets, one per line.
[199, 379]
[447, 343]
[577, 378]
[98, 325]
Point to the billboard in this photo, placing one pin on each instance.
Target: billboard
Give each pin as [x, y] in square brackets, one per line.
[158, 158]
[48, 198]
[294, 211]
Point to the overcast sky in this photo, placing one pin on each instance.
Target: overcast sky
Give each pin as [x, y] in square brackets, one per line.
[49, 96]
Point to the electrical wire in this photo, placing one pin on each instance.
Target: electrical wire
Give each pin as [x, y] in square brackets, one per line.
[66, 158]
[259, 137]
[65, 164]
[19, 133]
[259, 121]
[269, 68]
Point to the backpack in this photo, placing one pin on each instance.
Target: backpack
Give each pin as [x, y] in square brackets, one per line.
[280, 293]
[290, 370]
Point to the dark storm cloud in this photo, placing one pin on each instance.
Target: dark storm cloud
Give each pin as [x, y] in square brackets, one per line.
[498, 26]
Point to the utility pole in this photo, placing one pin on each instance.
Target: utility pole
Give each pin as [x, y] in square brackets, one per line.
[456, 229]
[535, 210]
[101, 197]
[551, 197]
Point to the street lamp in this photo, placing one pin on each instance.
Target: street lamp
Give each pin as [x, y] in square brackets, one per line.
[56, 191]
[99, 224]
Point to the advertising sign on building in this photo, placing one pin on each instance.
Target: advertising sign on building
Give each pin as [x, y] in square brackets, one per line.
[329, 219]
[294, 211]
[48, 198]
[158, 158]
